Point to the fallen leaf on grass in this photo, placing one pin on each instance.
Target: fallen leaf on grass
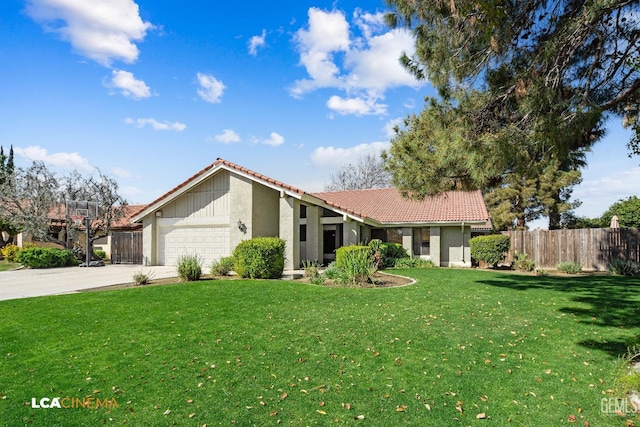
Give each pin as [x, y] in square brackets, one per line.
[481, 416]
[426, 405]
[167, 412]
[321, 412]
[359, 417]
[191, 415]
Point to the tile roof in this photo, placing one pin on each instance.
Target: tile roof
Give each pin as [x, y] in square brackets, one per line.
[380, 205]
[386, 205]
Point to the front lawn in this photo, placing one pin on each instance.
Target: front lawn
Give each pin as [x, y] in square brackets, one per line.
[460, 347]
[6, 266]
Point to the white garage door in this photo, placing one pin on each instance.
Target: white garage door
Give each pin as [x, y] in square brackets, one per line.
[209, 243]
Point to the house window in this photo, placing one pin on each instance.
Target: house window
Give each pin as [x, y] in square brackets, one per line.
[303, 232]
[394, 235]
[326, 213]
[421, 241]
[303, 211]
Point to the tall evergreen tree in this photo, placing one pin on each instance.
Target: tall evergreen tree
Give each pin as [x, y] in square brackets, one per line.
[526, 84]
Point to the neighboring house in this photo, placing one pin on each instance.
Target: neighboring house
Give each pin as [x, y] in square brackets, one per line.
[223, 204]
[58, 227]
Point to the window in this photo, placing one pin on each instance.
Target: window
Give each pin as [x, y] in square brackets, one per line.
[421, 241]
[303, 211]
[394, 235]
[303, 232]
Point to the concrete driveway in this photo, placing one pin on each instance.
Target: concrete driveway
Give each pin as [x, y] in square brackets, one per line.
[30, 283]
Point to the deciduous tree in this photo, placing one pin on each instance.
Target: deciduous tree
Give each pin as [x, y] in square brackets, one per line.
[368, 172]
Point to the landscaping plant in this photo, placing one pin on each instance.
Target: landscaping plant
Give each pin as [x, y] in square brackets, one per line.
[569, 267]
[141, 279]
[413, 263]
[189, 268]
[222, 267]
[522, 262]
[624, 267]
[260, 258]
[491, 249]
[36, 257]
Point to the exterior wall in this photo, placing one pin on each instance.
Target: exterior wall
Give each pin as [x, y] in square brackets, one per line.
[350, 233]
[149, 241]
[454, 246]
[208, 199]
[265, 208]
[240, 209]
[290, 231]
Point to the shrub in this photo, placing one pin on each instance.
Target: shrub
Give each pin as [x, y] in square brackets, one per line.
[45, 257]
[260, 258]
[522, 262]
[141, 278]
[490, 249]
[332, 271]
[223, 266]
[569, 267]
[413, 263]
[10, 252]
[357, 263]
[189, 268]
[342, 253]
[100, 254]
[392, 252]
[624, 267]
[311, 269]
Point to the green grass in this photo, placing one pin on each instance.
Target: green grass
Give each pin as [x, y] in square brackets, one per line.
[523, 350]
[5, 266]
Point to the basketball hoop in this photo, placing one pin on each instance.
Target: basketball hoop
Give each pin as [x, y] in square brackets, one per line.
[77, 220]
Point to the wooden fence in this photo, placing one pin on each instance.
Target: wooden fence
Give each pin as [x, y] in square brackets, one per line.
[126, 247]
[594, 248]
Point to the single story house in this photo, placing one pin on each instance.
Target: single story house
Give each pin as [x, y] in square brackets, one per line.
[210, 213]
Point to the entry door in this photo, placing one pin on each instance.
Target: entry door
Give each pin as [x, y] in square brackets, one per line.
[331, 240]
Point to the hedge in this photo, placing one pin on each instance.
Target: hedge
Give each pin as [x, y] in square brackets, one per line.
[260, 258]
[45, 257]
[343, 252]
[491, 249]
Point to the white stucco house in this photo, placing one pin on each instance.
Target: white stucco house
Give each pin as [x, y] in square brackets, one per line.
[223, 204]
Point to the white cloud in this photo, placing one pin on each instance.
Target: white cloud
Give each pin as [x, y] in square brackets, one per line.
[61, 160]
[130, 192]
[391, 124]
[598, 194]
[211, 89]
[122, 173]
[332, 156]
[364, 66]
[128, 85]
[102, 30]
[274, 140]
[227, 136]
[257, 41]
[156, 125]
[356, 106]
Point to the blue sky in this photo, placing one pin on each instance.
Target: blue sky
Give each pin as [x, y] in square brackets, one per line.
[150, 92]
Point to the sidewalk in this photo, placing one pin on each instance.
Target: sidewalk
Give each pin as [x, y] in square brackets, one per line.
[38, 282]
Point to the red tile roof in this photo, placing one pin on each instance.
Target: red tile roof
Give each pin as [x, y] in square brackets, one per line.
[386, 205]
[381, 205]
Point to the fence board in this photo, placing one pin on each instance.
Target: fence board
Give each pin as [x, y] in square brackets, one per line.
[594, 248]
[126, 247]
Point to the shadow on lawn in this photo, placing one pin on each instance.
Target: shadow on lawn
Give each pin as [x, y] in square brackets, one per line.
[613, 301]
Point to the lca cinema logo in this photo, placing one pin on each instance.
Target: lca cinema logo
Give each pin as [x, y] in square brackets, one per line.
[73, 402]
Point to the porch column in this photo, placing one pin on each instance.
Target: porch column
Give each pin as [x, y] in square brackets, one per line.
[434, 245]
[290, 231]
[407, 240]
[150, 240]
[350, 235]
[314, 234]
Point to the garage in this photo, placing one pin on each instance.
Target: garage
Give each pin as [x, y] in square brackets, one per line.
[209, 243]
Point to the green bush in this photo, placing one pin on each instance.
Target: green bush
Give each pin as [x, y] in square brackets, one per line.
[10, 252]
[342, 253]
[100, 254]
[223, 266]
[624, 267]
[45, 257]
[357, 263]
[391, 252]
[413, 263]
[522, 262]
[569, 267]
[189, 268]
[260, 258]
[334, 272]
[311, 269]
[490, 249]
